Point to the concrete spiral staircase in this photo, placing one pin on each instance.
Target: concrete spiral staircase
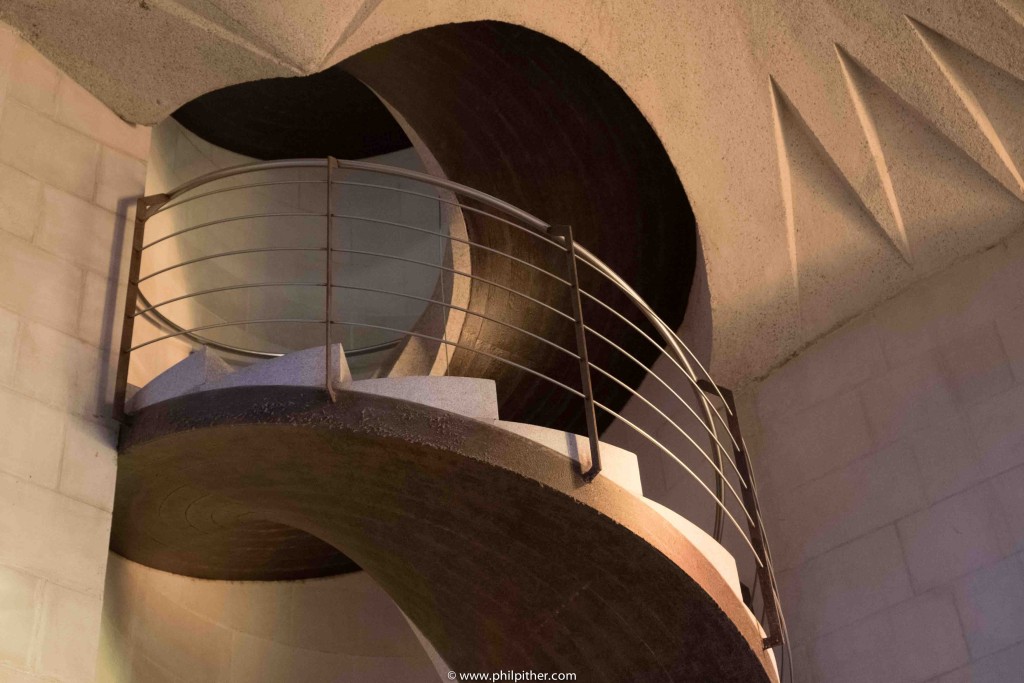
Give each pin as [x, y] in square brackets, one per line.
[478, 528]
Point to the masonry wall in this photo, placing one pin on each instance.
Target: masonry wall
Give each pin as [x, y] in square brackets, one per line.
[891, 455]
[69, 172]
[162, 627]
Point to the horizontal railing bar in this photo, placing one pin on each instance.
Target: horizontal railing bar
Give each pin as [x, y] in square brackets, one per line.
[245, 169]
[529, 219]
[349, 353]
[474, 244]
[458, 308]
[227, 253]
[183, 297]
[229, 219]
[370, 253]
[711, 432]
[450, 270]
[186, 200]
[690, 378]
[700, 365]
[461, 346]
[372, 348]
[530, 231]
[164, 320]
[453, 239]
[700, 481]
[227, 324]
[595, 264]
[682, 431]
[253, 353]
[470, 276]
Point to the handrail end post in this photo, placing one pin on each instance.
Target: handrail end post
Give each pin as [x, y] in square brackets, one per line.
[329, 285]
[590, 415]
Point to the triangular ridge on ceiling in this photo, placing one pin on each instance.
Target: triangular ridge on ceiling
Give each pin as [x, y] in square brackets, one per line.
[827, 217]
[947, 204]
[993, 97]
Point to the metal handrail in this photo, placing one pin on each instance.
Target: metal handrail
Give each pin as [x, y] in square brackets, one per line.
[147, 311]
[713, 418]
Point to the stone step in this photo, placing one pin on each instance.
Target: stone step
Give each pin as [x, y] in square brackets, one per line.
[617, 464]
[469, 396]
[195, 372]
[299, 369]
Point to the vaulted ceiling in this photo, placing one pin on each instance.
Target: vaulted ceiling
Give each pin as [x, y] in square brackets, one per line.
[833, 151]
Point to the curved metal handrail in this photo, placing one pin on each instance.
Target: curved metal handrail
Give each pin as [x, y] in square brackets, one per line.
[713, 419]
[152, 311]
[675, 346]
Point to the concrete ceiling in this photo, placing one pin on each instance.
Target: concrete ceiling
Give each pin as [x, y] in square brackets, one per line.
[834, 151]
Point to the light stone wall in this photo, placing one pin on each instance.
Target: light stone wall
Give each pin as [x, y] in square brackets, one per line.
[160, 627]
[70, 171]
[891, 455]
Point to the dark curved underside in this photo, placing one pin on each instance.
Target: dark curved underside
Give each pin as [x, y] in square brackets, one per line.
[486, 540]
[527, 119]
[325, 114]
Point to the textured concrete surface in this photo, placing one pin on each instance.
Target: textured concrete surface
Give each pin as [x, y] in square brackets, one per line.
[618, 465]
[463, 395]
[718, 556]
[896, 120]
[432, 550]
[892, 466]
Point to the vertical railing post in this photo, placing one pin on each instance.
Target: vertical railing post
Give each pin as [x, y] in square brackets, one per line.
[565, 232]
[143, 210]
[772, 615]
[329, 287]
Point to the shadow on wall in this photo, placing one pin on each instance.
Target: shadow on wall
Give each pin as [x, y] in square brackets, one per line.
[162, 627]
[112, 310]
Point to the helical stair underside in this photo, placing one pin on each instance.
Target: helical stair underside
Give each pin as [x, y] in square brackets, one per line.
[488, 540]
[287, 428]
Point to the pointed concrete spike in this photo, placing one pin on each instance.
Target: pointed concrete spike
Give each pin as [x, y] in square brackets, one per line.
[1015, 8]
[948, 204]
[785, 179]
[994, 98]
[826, 216]
[853, 73]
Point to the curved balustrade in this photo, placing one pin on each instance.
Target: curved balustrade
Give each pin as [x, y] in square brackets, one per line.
[303, 265]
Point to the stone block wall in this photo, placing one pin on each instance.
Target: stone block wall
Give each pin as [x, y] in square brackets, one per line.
[70, 171]
[891, 458]
[163, 627]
